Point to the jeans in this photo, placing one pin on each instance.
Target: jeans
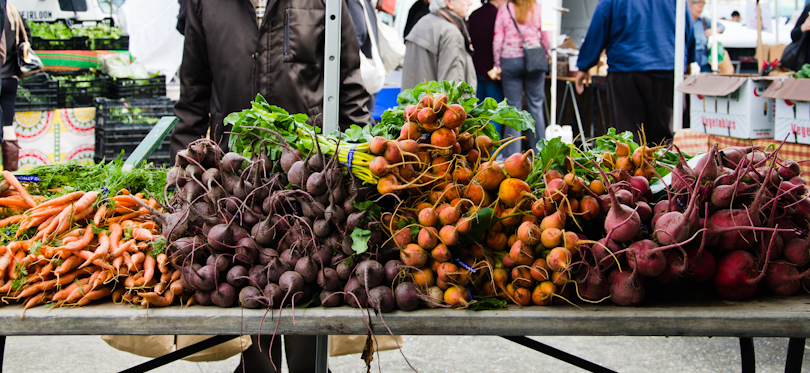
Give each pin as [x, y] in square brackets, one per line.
[487, 88]
[8, 95]
[516, 81]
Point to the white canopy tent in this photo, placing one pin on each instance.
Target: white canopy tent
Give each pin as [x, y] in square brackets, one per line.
[153, 39]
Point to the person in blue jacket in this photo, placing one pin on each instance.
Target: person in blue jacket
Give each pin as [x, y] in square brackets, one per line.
[703, 30]
[639, 39]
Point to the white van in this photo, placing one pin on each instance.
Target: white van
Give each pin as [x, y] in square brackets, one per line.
[69, 11]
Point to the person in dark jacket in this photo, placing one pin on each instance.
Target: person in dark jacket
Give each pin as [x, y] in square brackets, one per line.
[236, 49]
[419, 9]
[802, 26]
[639, 39]
[181, 17]
[364, 35]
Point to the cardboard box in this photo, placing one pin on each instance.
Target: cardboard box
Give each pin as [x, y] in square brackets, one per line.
[730, 105]
[792, 109]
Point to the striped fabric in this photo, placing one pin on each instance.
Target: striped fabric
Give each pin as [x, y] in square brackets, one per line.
[72, 60]
[694, 142]
[261, 6]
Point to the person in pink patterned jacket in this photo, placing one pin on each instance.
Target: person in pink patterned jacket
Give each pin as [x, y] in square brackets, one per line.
[507, 50]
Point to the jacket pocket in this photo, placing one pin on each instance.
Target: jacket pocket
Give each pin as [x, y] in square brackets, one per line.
[287, 31]
[304, 35]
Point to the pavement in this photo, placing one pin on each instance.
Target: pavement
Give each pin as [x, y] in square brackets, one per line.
[436, 354]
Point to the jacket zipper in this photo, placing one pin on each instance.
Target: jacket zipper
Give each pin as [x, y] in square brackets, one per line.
[287, 31]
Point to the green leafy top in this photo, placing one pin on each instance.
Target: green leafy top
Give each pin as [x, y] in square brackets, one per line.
[455, 92]
[110, 176]
[803, 73]
[360, 238]
[262, 114]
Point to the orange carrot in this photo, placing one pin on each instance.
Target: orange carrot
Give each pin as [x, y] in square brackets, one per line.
[128, 262]
[117, 219]
[12, 180]
[94, 295]
[86, 201]
[78, 293]
[11, 220]
[68, 240]
[80, 243]
[148, 225]
[124, 209]
[149, 264]
[68, 265]
[123, 191]
[141, 234]
[35, 301]
[13, 202]
[124, 247]
[152, 203]
[100, 215]
[115, 235]
[162, 263]
[102, 249]
[67, 198]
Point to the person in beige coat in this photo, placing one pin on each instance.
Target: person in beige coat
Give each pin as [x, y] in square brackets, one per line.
[438, 46]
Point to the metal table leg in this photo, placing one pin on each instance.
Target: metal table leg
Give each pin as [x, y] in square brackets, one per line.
[570, 87]
[747, 355]
[562, 105]
[2, 351]
[795, 355]
[179, 354]
[322, 354]
[558, 354]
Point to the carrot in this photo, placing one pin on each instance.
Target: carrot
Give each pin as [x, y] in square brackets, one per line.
[118, 295]
[149, 264]
[13, 202]
[94, 295]
[86, 201]
[78, 293]
[102, 249]
[69, 264]
[123, 248]
[142, 234]
[115, 235]
[152, 203]
[67, 198]
[127, 224]
[17, 259]
[156, 300]
[123, 191]
[60, 223]
[176, 275]
[63, 294]
[117, 219]
[68, 240]
[12, 180]
[124, 209]
[162, 263]
[11, 220]
[34, 222]
[128, 261]
[80, 243]
[99, 215]
[149, 224]
[117, 262]
[35, 301]
[74, 233]
[137, 260]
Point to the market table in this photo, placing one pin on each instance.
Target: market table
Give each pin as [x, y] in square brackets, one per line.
[761, 317]
[695, 142]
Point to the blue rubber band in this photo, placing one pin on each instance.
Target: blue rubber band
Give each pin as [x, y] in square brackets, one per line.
[465, 265]
[351, 157]
[425, 137]
[470, 293]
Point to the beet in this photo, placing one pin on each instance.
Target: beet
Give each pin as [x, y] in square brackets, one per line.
[291, 257]
[273, 295]
[221, 237]
[330, 298]
[382, 299]
[224, 295]
[328, 279]
[203, 298]
[645, 258]
[626, 288]
[258, 276]
[275, 268]
[247, 251]
[345, 269]
[370, 273]
[407, 296]
[237, 276]
[249, 297]
[592, 284]
[354, 287]
[392, 270]
[292, 284]
[266, 255]
[736, 277]
[307, 268]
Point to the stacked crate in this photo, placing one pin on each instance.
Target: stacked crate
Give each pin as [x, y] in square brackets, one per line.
[121, 125]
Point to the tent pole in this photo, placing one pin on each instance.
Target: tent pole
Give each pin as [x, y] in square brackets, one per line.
[680, 30]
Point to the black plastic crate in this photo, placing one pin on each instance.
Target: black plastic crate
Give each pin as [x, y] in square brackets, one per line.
[74, 43]
[109, 44]
[36, 93]
[136, 88]
[79, 93]
[123, 124]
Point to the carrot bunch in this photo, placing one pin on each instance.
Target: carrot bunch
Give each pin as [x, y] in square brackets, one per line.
[86, 248]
